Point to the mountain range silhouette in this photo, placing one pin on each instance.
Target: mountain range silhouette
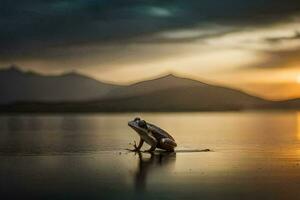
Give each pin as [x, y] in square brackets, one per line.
[71, 92]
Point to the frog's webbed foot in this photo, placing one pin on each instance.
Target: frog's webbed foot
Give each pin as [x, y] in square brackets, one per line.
[137, 148]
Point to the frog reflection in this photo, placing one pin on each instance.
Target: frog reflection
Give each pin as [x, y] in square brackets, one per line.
[157, 162]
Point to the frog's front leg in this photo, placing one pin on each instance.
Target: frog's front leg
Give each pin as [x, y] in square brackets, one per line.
[138, 148]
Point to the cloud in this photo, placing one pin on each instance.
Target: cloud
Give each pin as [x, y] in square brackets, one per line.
[33, 24]
[190, 35]
[294, 36]
[159, 12]
[96, 35]
[280, 59]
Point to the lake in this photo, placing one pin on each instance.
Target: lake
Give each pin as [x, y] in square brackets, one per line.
[255, 155]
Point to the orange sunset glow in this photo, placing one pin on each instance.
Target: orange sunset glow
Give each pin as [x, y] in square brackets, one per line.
[260, 60]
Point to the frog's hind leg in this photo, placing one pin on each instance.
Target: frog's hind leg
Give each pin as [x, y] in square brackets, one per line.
[167, 144]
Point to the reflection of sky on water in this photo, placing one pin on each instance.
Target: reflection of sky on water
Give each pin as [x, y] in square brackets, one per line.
[298, 126]
[106, 132]
[255, 156]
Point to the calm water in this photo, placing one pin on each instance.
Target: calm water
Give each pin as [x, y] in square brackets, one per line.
[255, 156]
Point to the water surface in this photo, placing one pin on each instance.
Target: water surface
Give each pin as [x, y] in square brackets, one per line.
[256, 155]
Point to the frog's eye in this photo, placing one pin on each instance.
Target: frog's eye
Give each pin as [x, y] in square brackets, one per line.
[142, 124]
[137, 119]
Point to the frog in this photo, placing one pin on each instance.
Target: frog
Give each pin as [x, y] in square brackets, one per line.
[152, 135]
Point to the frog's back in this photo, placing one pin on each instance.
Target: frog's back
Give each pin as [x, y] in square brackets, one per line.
[159, 133]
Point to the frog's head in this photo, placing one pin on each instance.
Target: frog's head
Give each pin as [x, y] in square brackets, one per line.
[139, 125]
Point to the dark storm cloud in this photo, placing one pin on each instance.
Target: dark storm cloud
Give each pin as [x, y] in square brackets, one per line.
[34, 27]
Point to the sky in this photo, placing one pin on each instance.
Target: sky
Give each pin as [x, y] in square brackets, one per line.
[252, 45]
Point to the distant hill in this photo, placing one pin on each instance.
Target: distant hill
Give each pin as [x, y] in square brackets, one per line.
[17, 86]
[158, 84]
[31, 92]
[178, 94]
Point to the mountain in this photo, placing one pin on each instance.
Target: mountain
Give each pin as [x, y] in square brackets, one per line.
[171, 93]
[166, 82]
[72, 92]
[176, 93]
[17, 85]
